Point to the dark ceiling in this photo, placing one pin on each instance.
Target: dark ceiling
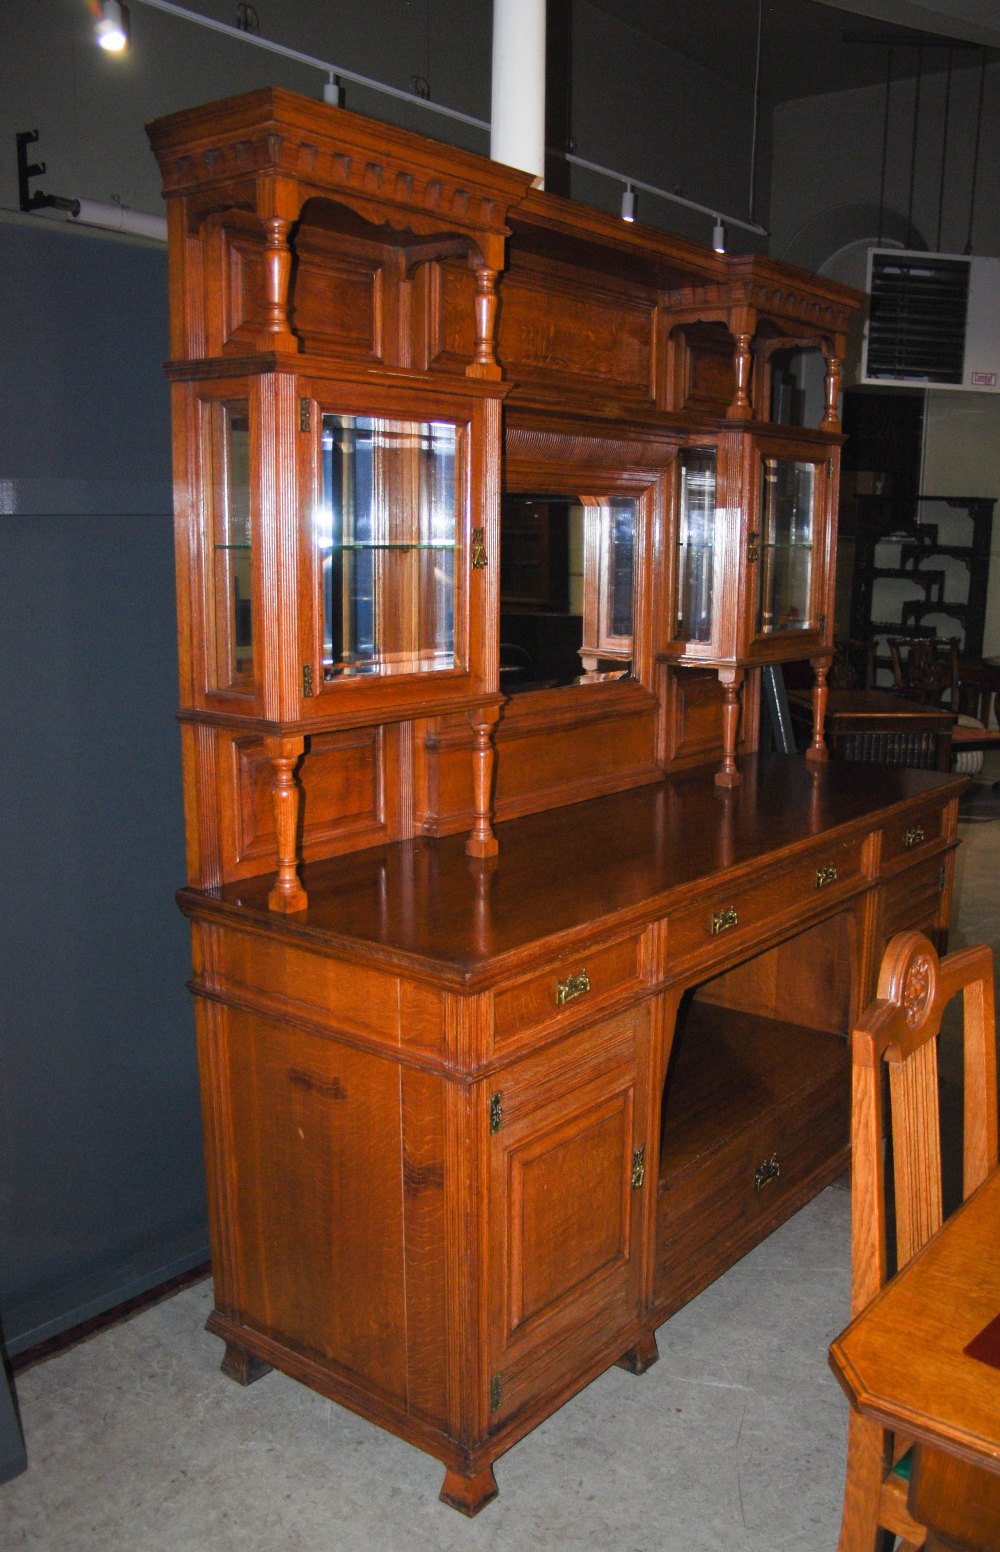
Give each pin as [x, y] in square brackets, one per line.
[806, 48]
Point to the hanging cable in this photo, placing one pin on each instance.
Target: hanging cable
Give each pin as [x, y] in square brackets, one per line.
[756, 113]
[913, 142]
[944, 149]
[885, 145]
[975, 154]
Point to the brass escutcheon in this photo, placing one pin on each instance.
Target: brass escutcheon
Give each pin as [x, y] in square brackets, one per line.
[724, 919]
[479, 549]
[573, 986]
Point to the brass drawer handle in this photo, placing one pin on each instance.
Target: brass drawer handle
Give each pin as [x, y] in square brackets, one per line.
[769, 1170]
[827, 875]
[724, 919]
[573, 986]
[913, 836]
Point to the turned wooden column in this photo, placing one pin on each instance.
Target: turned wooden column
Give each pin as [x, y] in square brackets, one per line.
[728, 774]
[278, 207]
[287, 894]
[817, 749]
[831, 416]
[482, 842]
[484, 363]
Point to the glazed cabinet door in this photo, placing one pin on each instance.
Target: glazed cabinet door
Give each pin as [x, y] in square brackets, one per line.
[570, 1184]
[397, 532]
[788, 547]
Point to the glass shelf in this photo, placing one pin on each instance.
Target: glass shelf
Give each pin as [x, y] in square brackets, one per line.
[364, 547]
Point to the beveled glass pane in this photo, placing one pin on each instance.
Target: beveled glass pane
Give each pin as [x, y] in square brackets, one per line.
[228, 447]
[788, 494]
[621, 564]
[696, 544]
[386, 532]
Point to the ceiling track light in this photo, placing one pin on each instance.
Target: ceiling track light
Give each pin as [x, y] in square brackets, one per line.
[112, 28]
[719, 235]
[628, 203]
[333, 91]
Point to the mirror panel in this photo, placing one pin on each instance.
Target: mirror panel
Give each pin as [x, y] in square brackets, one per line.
[567, 587]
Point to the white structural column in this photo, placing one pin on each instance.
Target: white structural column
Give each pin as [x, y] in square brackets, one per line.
[518, 129]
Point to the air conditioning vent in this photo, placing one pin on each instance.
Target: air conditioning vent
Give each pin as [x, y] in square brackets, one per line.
[916, 326]
[934, 320]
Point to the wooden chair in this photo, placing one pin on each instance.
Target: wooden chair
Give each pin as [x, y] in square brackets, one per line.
[931, 671]
[925, 669]
[899, 1030]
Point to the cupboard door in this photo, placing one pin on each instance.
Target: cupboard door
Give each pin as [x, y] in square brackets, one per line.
[569, 1180]
[787, 546]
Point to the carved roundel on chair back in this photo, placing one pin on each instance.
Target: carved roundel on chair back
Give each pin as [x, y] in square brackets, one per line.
[917, 990]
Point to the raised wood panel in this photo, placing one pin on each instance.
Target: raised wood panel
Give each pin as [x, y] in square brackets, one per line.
[338, 301]
[545, 757]
[337, 298]
[426, 1268]
[541, 764]
[357, 1002]
[551, 329]
[322, 1264]
[566, 332]
[346, 800]
[704, 378]
[564, 1213]
[692, 716]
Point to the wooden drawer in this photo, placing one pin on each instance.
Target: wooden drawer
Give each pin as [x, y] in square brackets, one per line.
[779, 1098]
[574, 984]
[704, 930]
[904, 839]
[913, 898]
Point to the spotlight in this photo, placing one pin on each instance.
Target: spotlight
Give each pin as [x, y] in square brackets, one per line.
[628, 203]
[112, 26]
[719, 236]
[332, 91]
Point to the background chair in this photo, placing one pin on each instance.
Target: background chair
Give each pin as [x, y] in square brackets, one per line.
[899, 1030]
[931, 671]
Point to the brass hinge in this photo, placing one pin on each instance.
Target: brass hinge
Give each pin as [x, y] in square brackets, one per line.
[307, 679]
[638, 1168]
[829, 468]
[305, 414]
[496, 1392]
[496, 1111]
[479, 549]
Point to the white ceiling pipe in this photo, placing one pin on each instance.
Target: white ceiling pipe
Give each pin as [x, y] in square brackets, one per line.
[517, 135]
[116, 218]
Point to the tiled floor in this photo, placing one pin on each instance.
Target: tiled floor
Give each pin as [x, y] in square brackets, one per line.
[733, 1442]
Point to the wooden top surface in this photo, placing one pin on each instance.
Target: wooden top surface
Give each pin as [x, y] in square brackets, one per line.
[612, 860]
[902, 1361]
[877, 704]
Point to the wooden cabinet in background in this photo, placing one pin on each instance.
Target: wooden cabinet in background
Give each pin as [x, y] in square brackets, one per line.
[519, 1015]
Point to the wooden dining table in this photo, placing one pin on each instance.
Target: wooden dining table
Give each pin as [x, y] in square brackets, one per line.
[924, 1359]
